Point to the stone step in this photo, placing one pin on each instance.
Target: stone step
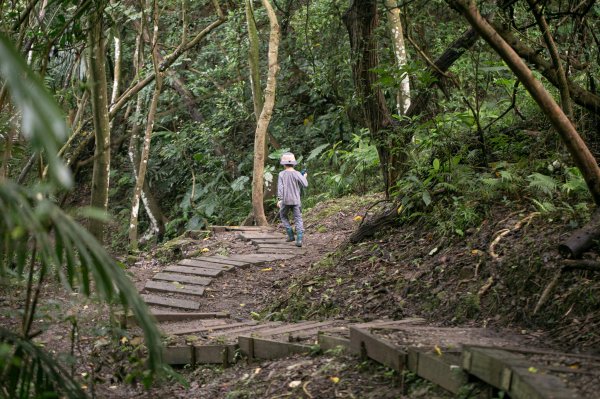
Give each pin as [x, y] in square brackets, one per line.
[170, 302]
[175, 288]
[182, 278]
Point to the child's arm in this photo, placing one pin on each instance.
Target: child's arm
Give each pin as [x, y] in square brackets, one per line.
[302, 179]
[279, 191]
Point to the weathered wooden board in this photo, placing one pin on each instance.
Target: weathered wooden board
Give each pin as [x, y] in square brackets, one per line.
[175, 288]
[267, 349]
[178, 355]
[170, 302]
[282, 245]
[295, 327]
[212, 330]
[245, 235]
[328, 342]
[222, 261]
[525, 384]
[216, 354]
[233, 333]
[182, 278]
[511, 373]
[260, 258]
[366, 344]
[178, 316]
[283, 251]
[390, 324]
[276, 244]
[443, 370]
[490, 365]
[197, 271]
[205, 265]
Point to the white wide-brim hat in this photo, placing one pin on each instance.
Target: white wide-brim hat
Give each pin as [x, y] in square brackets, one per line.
[287, 158]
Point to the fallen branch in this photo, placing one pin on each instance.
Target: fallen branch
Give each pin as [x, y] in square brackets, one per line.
[581, 239]
[504, 232]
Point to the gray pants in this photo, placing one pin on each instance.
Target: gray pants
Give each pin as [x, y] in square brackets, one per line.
[297, 212]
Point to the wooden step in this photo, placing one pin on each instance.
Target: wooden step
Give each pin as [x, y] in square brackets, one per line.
[182, 278]
[247, 236]
[170, 302]
[282, 251]
[260, 258]
[205, 265]
[214, 329]
[196, 271]
[222, 261]
[177, 288]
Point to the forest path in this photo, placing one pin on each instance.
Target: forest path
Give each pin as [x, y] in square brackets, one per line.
[195, 299]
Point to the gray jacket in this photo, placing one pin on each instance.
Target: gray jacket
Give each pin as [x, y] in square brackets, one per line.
[289, 183]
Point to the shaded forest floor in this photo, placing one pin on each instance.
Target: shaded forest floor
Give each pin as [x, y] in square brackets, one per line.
[406, 271]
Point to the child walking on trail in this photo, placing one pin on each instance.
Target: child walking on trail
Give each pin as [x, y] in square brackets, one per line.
[289, 183]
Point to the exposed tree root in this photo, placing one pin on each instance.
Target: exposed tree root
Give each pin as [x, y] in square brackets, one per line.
[504, 232]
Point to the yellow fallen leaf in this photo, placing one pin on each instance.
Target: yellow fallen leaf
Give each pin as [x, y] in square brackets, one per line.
[475, 251]
[294, 384]
[266, 269]
[242, 304]
[357, 218]
[437, 350]
[400, 208]
[124, 340]
[532, 370]
[574, 366]
[335, 380]
[204, 250]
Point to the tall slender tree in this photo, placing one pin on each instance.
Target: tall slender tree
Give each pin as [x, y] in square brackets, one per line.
[99, 100]
[265, 118]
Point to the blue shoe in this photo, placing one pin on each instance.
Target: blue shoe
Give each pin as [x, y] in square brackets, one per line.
[299, 239]
[290, 234]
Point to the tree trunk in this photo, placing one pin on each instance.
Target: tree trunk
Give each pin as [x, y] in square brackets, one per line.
[361, 20]
[143, 165]
[253, 47]
[264, 119]
[574, 143]
[563, 87]
[395, 22]
[99, 100]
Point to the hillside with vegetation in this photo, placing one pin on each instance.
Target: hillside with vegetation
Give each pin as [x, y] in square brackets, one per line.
[451, 149]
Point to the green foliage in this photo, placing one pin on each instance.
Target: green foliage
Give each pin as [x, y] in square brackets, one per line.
[38, 239]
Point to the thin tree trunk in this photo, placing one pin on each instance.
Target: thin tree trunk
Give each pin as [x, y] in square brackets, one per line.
[264, 119]
[99, 97]
[395, 22]
[574, 143]
[141, 176]
[563, 87]
[253, 47]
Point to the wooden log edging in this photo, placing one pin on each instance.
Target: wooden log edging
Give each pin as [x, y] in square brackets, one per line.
[507, 371]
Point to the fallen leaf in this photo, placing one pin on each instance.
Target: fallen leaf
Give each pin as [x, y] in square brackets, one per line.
[257, 370]
[204, 250]
[124, 340]
[532, 370]
[335, 380]
[266, 269]
[295, 384]
[242, 304]
[437, 350]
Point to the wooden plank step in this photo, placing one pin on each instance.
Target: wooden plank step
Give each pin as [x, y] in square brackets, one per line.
[218, 268]
[296, 327]
[443, 370]
[162, 316]
[170, 302]
[222, 261]
[247, 236]
[329, 342]
[245, 330]
[261, 258]
[241, 228]
[182, 278]
[511, 373]
[197, 271]
[207, 329]
[390, 324]
[263, 348]
[279, 245]
[175, 288]
[286, 251]
[368, 345]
